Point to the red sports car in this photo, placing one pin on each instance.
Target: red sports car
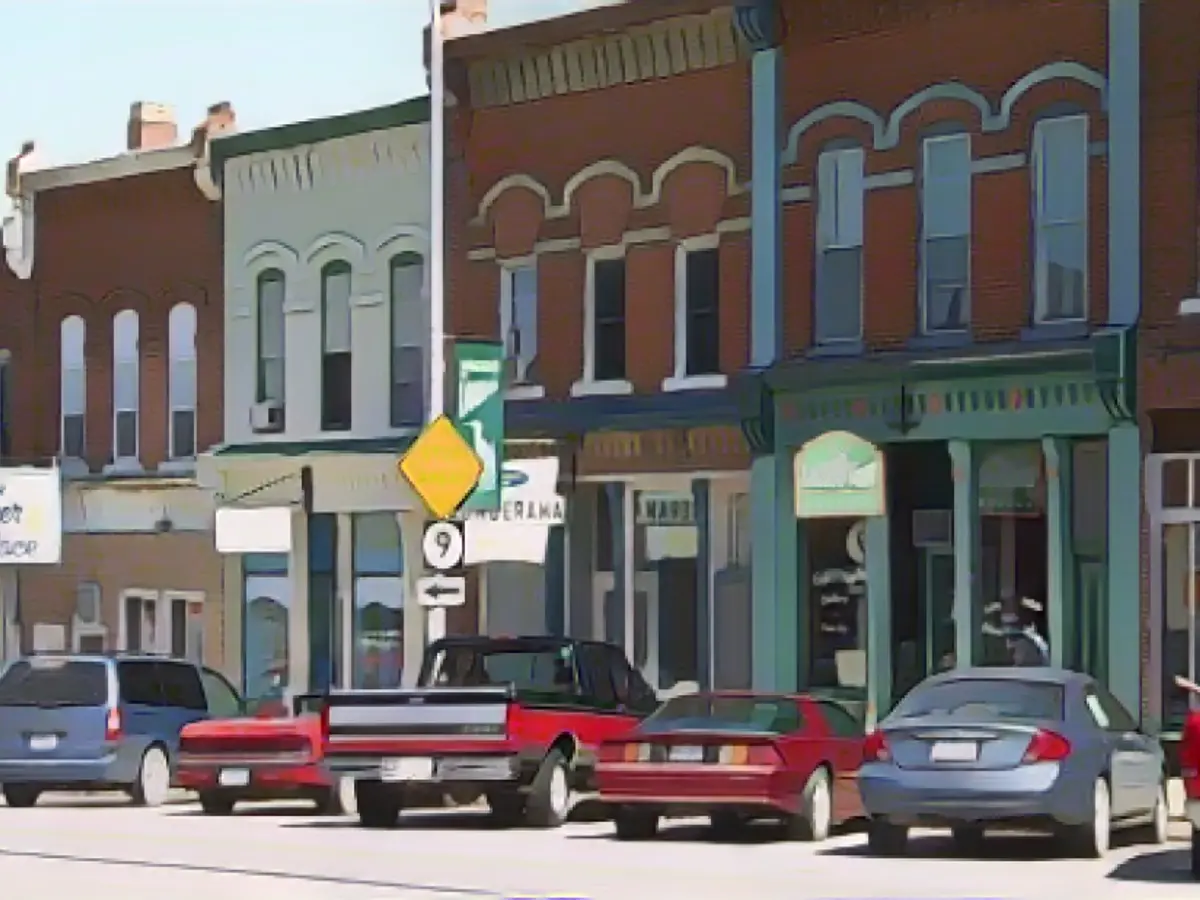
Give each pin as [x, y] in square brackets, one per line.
[736, 757]
[265, 757]
[1189, 766]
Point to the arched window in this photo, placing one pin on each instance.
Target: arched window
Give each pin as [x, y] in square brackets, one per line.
[272, 339]
[182, 374]
[126, 386]
[409, 333]
[336, 387]
[73, 387]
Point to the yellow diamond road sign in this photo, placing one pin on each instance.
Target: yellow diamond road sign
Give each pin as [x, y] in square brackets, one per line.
[442, 467]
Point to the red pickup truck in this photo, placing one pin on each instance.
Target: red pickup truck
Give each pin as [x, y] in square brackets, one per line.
[515, 720]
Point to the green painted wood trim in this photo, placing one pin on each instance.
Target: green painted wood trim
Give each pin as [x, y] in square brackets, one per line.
[1124, 564]
[879, 619]
[1061, 597]
[968, 554]
[764, 575]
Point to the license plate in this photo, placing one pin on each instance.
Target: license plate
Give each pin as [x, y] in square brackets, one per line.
[407, 768]
[43, 742]
[954, 751]
[234, 777]
[686, 754]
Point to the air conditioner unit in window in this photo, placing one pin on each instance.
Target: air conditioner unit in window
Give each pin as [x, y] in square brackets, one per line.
[87, 603]
[266, 417]
[933, 529]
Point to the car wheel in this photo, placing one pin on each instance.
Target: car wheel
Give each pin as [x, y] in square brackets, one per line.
[378, 805]
[153, 779]
[507, 806]
[886, 839]
[1091, 839]
[21, 796]
[549, 800]
[815, 818]
[968, 839]
[1159, 828]
[1196, 854]
[214, 803]
[635, 824]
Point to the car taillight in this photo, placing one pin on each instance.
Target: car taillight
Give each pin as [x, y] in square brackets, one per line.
[112, 725]
[748, 755]
[1046, 746]
[325, 719]
[875, 748]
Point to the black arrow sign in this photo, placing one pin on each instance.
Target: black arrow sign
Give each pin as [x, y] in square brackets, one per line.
[440, 590]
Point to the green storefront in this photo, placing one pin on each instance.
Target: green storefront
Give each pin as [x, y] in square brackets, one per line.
[909, 512]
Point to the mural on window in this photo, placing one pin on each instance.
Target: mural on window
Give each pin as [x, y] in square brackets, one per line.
[267, 595]
[378, 601]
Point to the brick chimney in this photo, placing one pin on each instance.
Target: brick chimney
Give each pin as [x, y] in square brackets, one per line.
[220, 119]
[463, 17]
[151, 126]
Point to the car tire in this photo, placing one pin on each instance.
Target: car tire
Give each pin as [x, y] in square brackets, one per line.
[725, 825]
[507, 806]
[1158, 829]
[21, 796]
[634, 824]
[549, 801]
[215, 803]
[153, 784]
[1196, 854]
[378, 805]
[1091, 840]
[968, 840]
[886, 839]
[815, 818]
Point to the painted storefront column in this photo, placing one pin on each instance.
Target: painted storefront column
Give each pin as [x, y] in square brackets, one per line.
[297, 621]
[412, 528]
[879, 618]
[701, 495]
[556, 577]
[777, 559]
[1124, 559]
[1060, 556]
[964, 467]
[614, 600]
[766, 208]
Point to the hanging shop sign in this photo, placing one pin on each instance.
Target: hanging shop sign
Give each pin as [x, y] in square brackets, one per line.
[839, 475]
[30, 516]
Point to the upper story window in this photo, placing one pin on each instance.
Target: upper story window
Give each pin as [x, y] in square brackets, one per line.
[604, 345]
[408, 339]
[838, 314]
[272, 338]
[336, 389]
[181, 334]
[697, 308]
[519, 321]
[73, 387]
[1060, 188]
[126, 386]
[946, 233]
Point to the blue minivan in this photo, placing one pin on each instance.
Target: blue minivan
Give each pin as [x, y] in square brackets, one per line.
[78, 722]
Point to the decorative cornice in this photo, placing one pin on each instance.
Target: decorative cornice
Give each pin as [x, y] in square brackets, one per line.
[641, 53]
[760, 23]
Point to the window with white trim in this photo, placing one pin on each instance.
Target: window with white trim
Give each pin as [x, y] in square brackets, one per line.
[406, 288]
[838, 314]
[272, 338]
[606, 319]
[73, 387]
[336, 360]
[1060, 188]
[697, 308]
[126, 386]
[519, 321]
[181, 334]
[946, 233]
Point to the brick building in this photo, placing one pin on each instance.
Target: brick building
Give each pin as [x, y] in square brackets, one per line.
[945, 284]
[598, 216]
[116, 373]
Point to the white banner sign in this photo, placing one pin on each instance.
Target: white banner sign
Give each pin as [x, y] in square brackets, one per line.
[30, 516]
[529, 506]
[267, 529]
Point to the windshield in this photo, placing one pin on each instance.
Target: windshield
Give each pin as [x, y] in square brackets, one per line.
[701, 711]
[985, 699]
[541, 669]
[54, 682]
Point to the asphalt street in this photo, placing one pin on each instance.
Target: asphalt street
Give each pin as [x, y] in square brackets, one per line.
[102, 848]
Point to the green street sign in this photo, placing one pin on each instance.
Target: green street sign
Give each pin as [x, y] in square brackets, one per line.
[479, 415]
[839, 475]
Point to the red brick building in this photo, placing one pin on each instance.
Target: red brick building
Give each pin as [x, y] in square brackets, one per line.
[116, 374]
[598, 225]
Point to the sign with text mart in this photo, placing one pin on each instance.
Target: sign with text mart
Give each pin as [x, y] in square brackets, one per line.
[479, 414]
[30, 516]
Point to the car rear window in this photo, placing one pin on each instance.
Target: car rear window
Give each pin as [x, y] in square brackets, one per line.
[983, 699]
[697, 711]
[54, 682]
[534, 669]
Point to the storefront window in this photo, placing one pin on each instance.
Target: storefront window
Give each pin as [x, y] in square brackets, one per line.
[838, 585]
[1181, 630]
[378, 601]
[267, 597]
[732, 624]
[666, 596]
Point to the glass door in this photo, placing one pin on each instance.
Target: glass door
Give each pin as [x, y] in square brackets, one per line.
[1092, 619]
[938, 598]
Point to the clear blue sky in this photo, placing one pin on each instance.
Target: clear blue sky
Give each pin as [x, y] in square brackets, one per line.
[72, 67]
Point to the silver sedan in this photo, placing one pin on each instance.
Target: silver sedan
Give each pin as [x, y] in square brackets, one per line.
[1027, 748]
